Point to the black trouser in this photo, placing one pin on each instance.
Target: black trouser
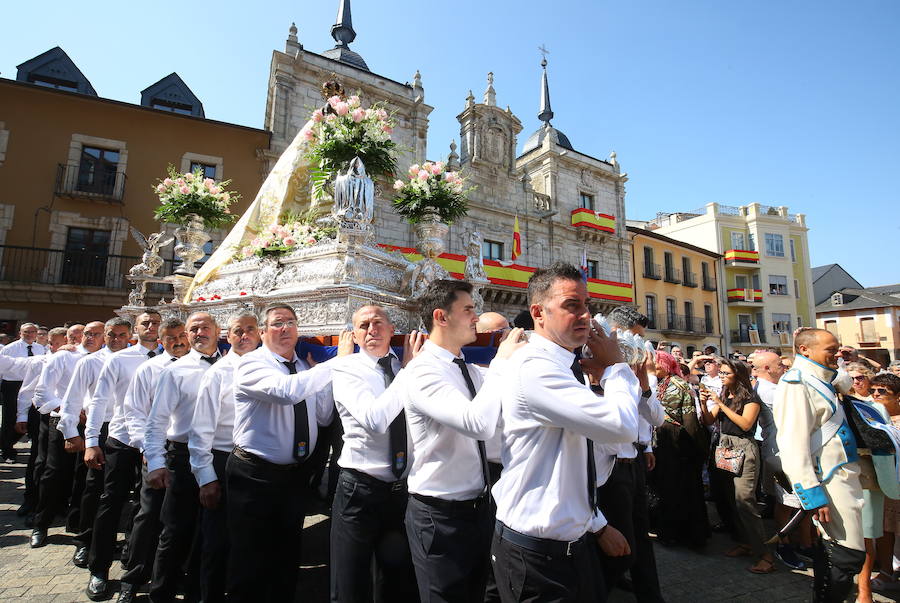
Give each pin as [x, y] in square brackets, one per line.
[366, 523]
[178, 515]
[90, 497]
[41, 460]
[623, 501]
[450, 546]
[537, 569]
[833, 569]
[122, 464]
[9, 390]
[57, 480]
[265, 522]
[144, 535]
[214, 539]
[721, 492]
[32, 477]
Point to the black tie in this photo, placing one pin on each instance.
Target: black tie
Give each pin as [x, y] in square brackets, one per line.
[481, 450]
[30, 351]
[591, 462]
[301, 423]
[151, 353]
[212, 360]
[398, 425]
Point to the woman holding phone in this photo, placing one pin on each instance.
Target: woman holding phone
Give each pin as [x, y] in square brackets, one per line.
[737, 457]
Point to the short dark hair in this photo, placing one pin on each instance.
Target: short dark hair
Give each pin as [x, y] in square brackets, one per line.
[440, 294]
[627, 317]
[269, 309]
[710, 349]
[523, 320]
[543, 279]
[117, 322]
[889, 380]
[171, 323]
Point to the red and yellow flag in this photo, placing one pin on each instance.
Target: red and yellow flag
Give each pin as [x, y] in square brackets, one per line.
[517, 241]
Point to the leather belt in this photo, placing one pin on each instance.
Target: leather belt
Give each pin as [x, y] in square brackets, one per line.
[249, 457]
[625, 460]
[397, 486]
[450, 505]
[545, 546]
[180, 446]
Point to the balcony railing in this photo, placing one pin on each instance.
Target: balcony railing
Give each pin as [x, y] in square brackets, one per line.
[745, 336]
[745, 296]
[37, 266]
[679, 322]
[709, 283]
[673, 275]
[741, 256]
[690, 279]
[652, 271]
[74, 180]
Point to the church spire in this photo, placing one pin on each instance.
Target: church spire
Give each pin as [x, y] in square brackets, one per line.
[546, 113]
[342, 30]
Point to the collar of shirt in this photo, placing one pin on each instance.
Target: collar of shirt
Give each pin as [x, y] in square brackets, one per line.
[555, 352]
[371, 360]
[281, 359]
[196, 356]
[439, 352]
[81, 349]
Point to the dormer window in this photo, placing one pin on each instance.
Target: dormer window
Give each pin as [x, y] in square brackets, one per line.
[837, 299]
[165, 105]
[49, 82]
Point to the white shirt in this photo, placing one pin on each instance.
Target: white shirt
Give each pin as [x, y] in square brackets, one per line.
[32, 366]
[367, 409]
[212, 427]
[766, 422]
[547, 416]
[140, 396]
[19, 349]
[80, 390]
[650, 414]
[713, 383]
[55, 377]
[112, 384]
[445, 424]
[170, 415]
[264, 396]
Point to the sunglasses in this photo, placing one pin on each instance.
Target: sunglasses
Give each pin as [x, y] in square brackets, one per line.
[881, 391]
[860, 378]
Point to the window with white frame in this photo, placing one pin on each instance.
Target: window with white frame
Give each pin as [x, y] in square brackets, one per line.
[491, 250]
[774, 245]
[778, 285]
[737, 240]
[781, 323]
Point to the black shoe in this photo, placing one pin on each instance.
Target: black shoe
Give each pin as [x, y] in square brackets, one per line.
[97, 588]
[38, 538]
[29, 521]
[80, 558]
[24, 510]
[126, 595]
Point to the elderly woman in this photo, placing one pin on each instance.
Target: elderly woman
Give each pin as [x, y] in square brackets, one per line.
[736, 411]
[681, 448]
[861, 375]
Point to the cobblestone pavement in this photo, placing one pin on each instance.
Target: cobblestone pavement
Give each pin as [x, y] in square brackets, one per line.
[47, 574]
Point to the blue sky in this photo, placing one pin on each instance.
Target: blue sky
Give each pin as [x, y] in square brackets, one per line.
[782, 103]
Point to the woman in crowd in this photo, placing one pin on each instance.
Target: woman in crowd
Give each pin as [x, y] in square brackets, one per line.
[681, 448]
[862, 377]
[736, 411]
[886, 393]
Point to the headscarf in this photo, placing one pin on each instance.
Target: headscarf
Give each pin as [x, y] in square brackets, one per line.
[667, 361]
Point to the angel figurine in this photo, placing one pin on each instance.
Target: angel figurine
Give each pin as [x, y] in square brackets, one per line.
[150, 262]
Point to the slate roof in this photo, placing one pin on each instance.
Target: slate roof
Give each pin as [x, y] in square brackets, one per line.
[861, 299]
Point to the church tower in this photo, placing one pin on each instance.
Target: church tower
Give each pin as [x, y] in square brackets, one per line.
[488, 133]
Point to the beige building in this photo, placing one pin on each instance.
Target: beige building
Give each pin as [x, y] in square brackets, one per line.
[675, 286]
[76, 172]
[570, 204]
[867, 319]
[765, 276]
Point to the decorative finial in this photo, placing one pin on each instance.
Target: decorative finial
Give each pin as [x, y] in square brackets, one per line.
[546, 113]
[292, 46]
[612, 159]
[490, 96]
[417, 80]
[342, 30]
[453, 158]
[470, 100]
[292, 32]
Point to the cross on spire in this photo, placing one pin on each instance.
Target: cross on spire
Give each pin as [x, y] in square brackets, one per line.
[544, 52]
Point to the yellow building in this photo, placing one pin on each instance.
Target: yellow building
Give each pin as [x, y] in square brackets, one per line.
[675, 286]
[867, 319]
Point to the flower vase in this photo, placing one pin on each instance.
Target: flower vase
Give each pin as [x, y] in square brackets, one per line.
[431, 233]
[191, 236]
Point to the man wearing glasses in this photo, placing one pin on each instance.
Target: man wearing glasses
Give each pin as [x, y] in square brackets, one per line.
[278, 402]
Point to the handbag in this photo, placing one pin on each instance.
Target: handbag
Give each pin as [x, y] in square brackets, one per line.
[729, 459]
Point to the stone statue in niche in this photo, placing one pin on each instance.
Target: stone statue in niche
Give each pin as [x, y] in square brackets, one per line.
[495, 147]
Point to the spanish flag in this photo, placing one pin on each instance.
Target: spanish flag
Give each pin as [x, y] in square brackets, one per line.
[517, 241]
